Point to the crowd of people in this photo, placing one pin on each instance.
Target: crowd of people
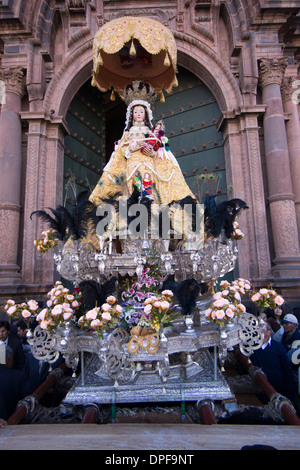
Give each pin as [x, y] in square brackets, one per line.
[277, 358]
[20, 372]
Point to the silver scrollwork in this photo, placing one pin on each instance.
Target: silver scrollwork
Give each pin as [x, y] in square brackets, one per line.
[251, 333]
[115, 361]
[43, 345]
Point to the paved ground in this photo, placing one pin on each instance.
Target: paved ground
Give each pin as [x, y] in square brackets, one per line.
[154, 437]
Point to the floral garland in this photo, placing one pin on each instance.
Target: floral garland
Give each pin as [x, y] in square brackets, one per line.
[101, 318]
[227, 302]
[267, 298]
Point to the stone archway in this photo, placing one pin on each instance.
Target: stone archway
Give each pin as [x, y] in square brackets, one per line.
[238, 124]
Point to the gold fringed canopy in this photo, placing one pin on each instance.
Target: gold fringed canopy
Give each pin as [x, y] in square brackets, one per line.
[134, 48]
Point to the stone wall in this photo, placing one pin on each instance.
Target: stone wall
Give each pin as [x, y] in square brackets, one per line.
[246, 52]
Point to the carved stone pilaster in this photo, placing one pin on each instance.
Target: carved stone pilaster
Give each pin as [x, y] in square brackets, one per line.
[14, 79]
[290, 89]
[271, 71]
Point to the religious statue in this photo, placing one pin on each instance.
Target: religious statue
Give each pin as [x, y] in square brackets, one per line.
[140, 156]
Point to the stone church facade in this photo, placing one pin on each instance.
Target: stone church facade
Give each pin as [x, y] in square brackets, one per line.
[247, 53]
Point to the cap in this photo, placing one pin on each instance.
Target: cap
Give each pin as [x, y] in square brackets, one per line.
[290, 318]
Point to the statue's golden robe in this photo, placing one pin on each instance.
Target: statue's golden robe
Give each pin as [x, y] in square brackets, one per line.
[119, 174]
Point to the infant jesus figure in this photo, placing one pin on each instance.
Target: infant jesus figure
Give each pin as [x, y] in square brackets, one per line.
[156, 139]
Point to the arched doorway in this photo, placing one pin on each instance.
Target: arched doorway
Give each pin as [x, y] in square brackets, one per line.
[190, 114]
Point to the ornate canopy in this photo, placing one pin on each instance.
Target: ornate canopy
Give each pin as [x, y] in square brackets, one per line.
[134, 48]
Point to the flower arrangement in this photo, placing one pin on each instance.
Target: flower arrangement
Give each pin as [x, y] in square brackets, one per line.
[23, 311]
[134, 296]
[227, 302]
[158, 309]
[47, 241]
[240, 286]
[62, 306]
[266, 298]
[237, 233]
[101, 318]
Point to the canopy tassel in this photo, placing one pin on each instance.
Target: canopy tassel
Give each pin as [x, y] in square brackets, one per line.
[167, 62]
[113, 95]
[132, 50]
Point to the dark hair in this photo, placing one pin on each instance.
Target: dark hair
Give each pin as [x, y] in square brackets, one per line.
[130, 120]
[21, 324]
[5, 324]
[269, 312]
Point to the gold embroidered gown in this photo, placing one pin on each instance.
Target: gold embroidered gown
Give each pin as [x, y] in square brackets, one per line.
[128, 159]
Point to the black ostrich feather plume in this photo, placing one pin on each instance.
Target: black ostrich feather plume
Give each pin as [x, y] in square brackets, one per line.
[95, 294]
[75, 222]
[186, 293]
[60, 220]
[219, 217]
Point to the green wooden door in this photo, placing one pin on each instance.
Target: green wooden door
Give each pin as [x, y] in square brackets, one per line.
[84, 156]
[190, 115]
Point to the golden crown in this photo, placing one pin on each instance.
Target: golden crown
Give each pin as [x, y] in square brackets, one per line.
[137, 91]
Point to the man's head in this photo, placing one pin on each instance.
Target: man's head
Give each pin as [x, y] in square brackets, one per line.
[21, 329]
[4, 330]
[267, 332]
[289, 323]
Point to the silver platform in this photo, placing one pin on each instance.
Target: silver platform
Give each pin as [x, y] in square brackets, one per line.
[186, 366]
[205, 382]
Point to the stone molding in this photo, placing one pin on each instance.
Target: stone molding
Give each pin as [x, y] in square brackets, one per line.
[271, 71]
[14, 79]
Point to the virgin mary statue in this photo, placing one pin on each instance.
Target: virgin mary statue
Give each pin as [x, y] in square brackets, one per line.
[141, 161]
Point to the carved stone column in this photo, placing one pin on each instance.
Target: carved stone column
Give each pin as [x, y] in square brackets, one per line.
[10, 173]
[44, 188]
[290, 106]
[243, 171]
[280, 190]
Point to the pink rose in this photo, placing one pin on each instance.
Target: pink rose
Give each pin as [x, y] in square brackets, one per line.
[229, 313]
[279, 300]
[44, 324]
[165, 305]
[255, 297]
[208, 312]
[67, 315]
[57, 310]
[220, 314]
[148, 309]
[106, 316]
[11, 310]
[118, 308]
[26, 313]
[167, 292]
[105, 307]
[33, 305]
[96, 323]
[92, 314]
